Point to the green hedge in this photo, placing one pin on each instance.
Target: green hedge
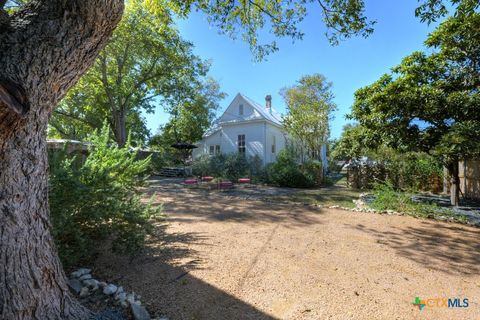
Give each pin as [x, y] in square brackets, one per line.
[228, 166]
[286, 171]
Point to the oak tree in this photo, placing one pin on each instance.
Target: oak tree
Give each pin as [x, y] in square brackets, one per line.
[431, 102]
[145, 63]
[190, 118]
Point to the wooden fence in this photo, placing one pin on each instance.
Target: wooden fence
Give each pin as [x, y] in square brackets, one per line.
[469, 174]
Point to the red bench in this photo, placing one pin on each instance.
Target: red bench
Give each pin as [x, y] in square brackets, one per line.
[244, 180]
[190, 181]
[207, 178]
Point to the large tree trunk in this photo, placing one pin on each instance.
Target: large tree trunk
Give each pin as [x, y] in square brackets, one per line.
[45, 48]
[454, 183]
[120, 128]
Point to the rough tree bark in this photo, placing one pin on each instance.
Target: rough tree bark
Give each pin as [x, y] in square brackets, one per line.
[45, 47]
[454, 183]
[120, 127]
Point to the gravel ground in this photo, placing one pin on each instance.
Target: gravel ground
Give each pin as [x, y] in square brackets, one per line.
[219, 256]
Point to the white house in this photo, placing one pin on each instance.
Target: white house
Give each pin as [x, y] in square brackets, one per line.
[246, 127]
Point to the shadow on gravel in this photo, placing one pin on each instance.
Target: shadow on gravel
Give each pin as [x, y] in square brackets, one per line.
[451, 249]
[250, 212]
[161, 275]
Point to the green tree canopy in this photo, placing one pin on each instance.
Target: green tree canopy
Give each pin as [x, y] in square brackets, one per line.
[430, 102]
[145, 63]
[309, 107]
[191, 118]
[356, 141]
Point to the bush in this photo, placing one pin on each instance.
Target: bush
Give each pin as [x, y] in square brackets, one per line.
[226, 166]
[236, 166]
[407, 171]
[286, 172]
[160, 160]
[313, 170]
[95, 202]
[388, 198]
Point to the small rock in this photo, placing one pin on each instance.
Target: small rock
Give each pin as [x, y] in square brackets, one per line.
[119, 290]
[102, 284]
[75, 285]
[131, 298]
[84, 292]
[110, 289]
[139, 312]
[80, 272]
[85, 277]
[91, 284]
[122, 297]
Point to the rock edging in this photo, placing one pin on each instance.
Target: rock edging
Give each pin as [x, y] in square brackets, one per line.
[86, 288]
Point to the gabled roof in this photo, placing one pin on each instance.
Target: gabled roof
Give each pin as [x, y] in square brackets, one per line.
[271, 114]
[261, 113]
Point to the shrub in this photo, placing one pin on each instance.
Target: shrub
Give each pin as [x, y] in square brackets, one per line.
[388, 198]
[95, 202]
[227, 166]
[313, 170]
[236, 166]
[286, 172]
[160, 160]
[257, 169]
[201, 166]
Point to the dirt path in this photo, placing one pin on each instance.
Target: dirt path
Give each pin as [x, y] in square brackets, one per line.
[220, 257]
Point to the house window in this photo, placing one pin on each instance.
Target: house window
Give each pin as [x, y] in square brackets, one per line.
[273, 144]
[212, 150]
[241, 143]
[240, 109]
[217, 149]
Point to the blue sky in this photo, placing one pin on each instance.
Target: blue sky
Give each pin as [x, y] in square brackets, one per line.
[350, 65]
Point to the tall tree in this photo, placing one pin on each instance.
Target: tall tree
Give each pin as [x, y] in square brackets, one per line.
[431, 103]
[146, 62]
[190, 118]
[309, 109]
[356, 141]
[46, 46]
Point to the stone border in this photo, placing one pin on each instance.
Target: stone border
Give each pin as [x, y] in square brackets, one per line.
[84, 285]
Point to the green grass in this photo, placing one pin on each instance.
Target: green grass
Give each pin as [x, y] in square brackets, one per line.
[386, 198]
[327, 196]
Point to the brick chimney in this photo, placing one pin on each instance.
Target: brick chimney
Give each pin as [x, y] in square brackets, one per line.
[268, 102]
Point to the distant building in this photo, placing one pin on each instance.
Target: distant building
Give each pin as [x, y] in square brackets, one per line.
[249, 128]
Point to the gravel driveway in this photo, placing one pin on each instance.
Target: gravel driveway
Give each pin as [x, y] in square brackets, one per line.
[219, 256]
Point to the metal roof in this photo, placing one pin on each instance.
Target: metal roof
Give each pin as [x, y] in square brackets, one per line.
[268, 114]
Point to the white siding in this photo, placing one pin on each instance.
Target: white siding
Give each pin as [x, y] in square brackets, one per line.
[274, 134]
[232, 112]
[253, 138]
[227, 139]
[323, 155]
